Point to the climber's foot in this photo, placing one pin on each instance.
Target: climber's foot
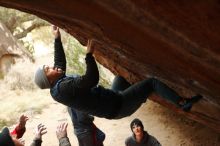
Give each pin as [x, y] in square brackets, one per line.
[188, 103]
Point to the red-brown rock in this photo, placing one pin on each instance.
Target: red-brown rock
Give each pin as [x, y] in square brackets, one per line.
[175, 41]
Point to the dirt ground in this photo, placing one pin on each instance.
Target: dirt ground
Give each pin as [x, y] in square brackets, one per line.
[170, 129]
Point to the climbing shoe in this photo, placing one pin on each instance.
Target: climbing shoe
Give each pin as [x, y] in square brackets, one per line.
[188, 103]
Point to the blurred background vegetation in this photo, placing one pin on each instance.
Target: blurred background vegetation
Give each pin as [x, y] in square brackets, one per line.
[19, 95]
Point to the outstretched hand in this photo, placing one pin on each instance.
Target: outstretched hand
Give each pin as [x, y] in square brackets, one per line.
[61, 130]
[40, 130]
[55, 31]
[22, 121]
[90, 46]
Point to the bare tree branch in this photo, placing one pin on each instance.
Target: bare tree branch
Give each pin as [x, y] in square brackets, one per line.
[29, 29]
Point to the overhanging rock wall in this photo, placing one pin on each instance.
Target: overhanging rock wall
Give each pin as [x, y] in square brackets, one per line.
[175, 41]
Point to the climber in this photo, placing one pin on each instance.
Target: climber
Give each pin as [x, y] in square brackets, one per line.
[83, 94]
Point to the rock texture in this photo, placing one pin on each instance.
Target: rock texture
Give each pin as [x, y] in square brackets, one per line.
[174, 41]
